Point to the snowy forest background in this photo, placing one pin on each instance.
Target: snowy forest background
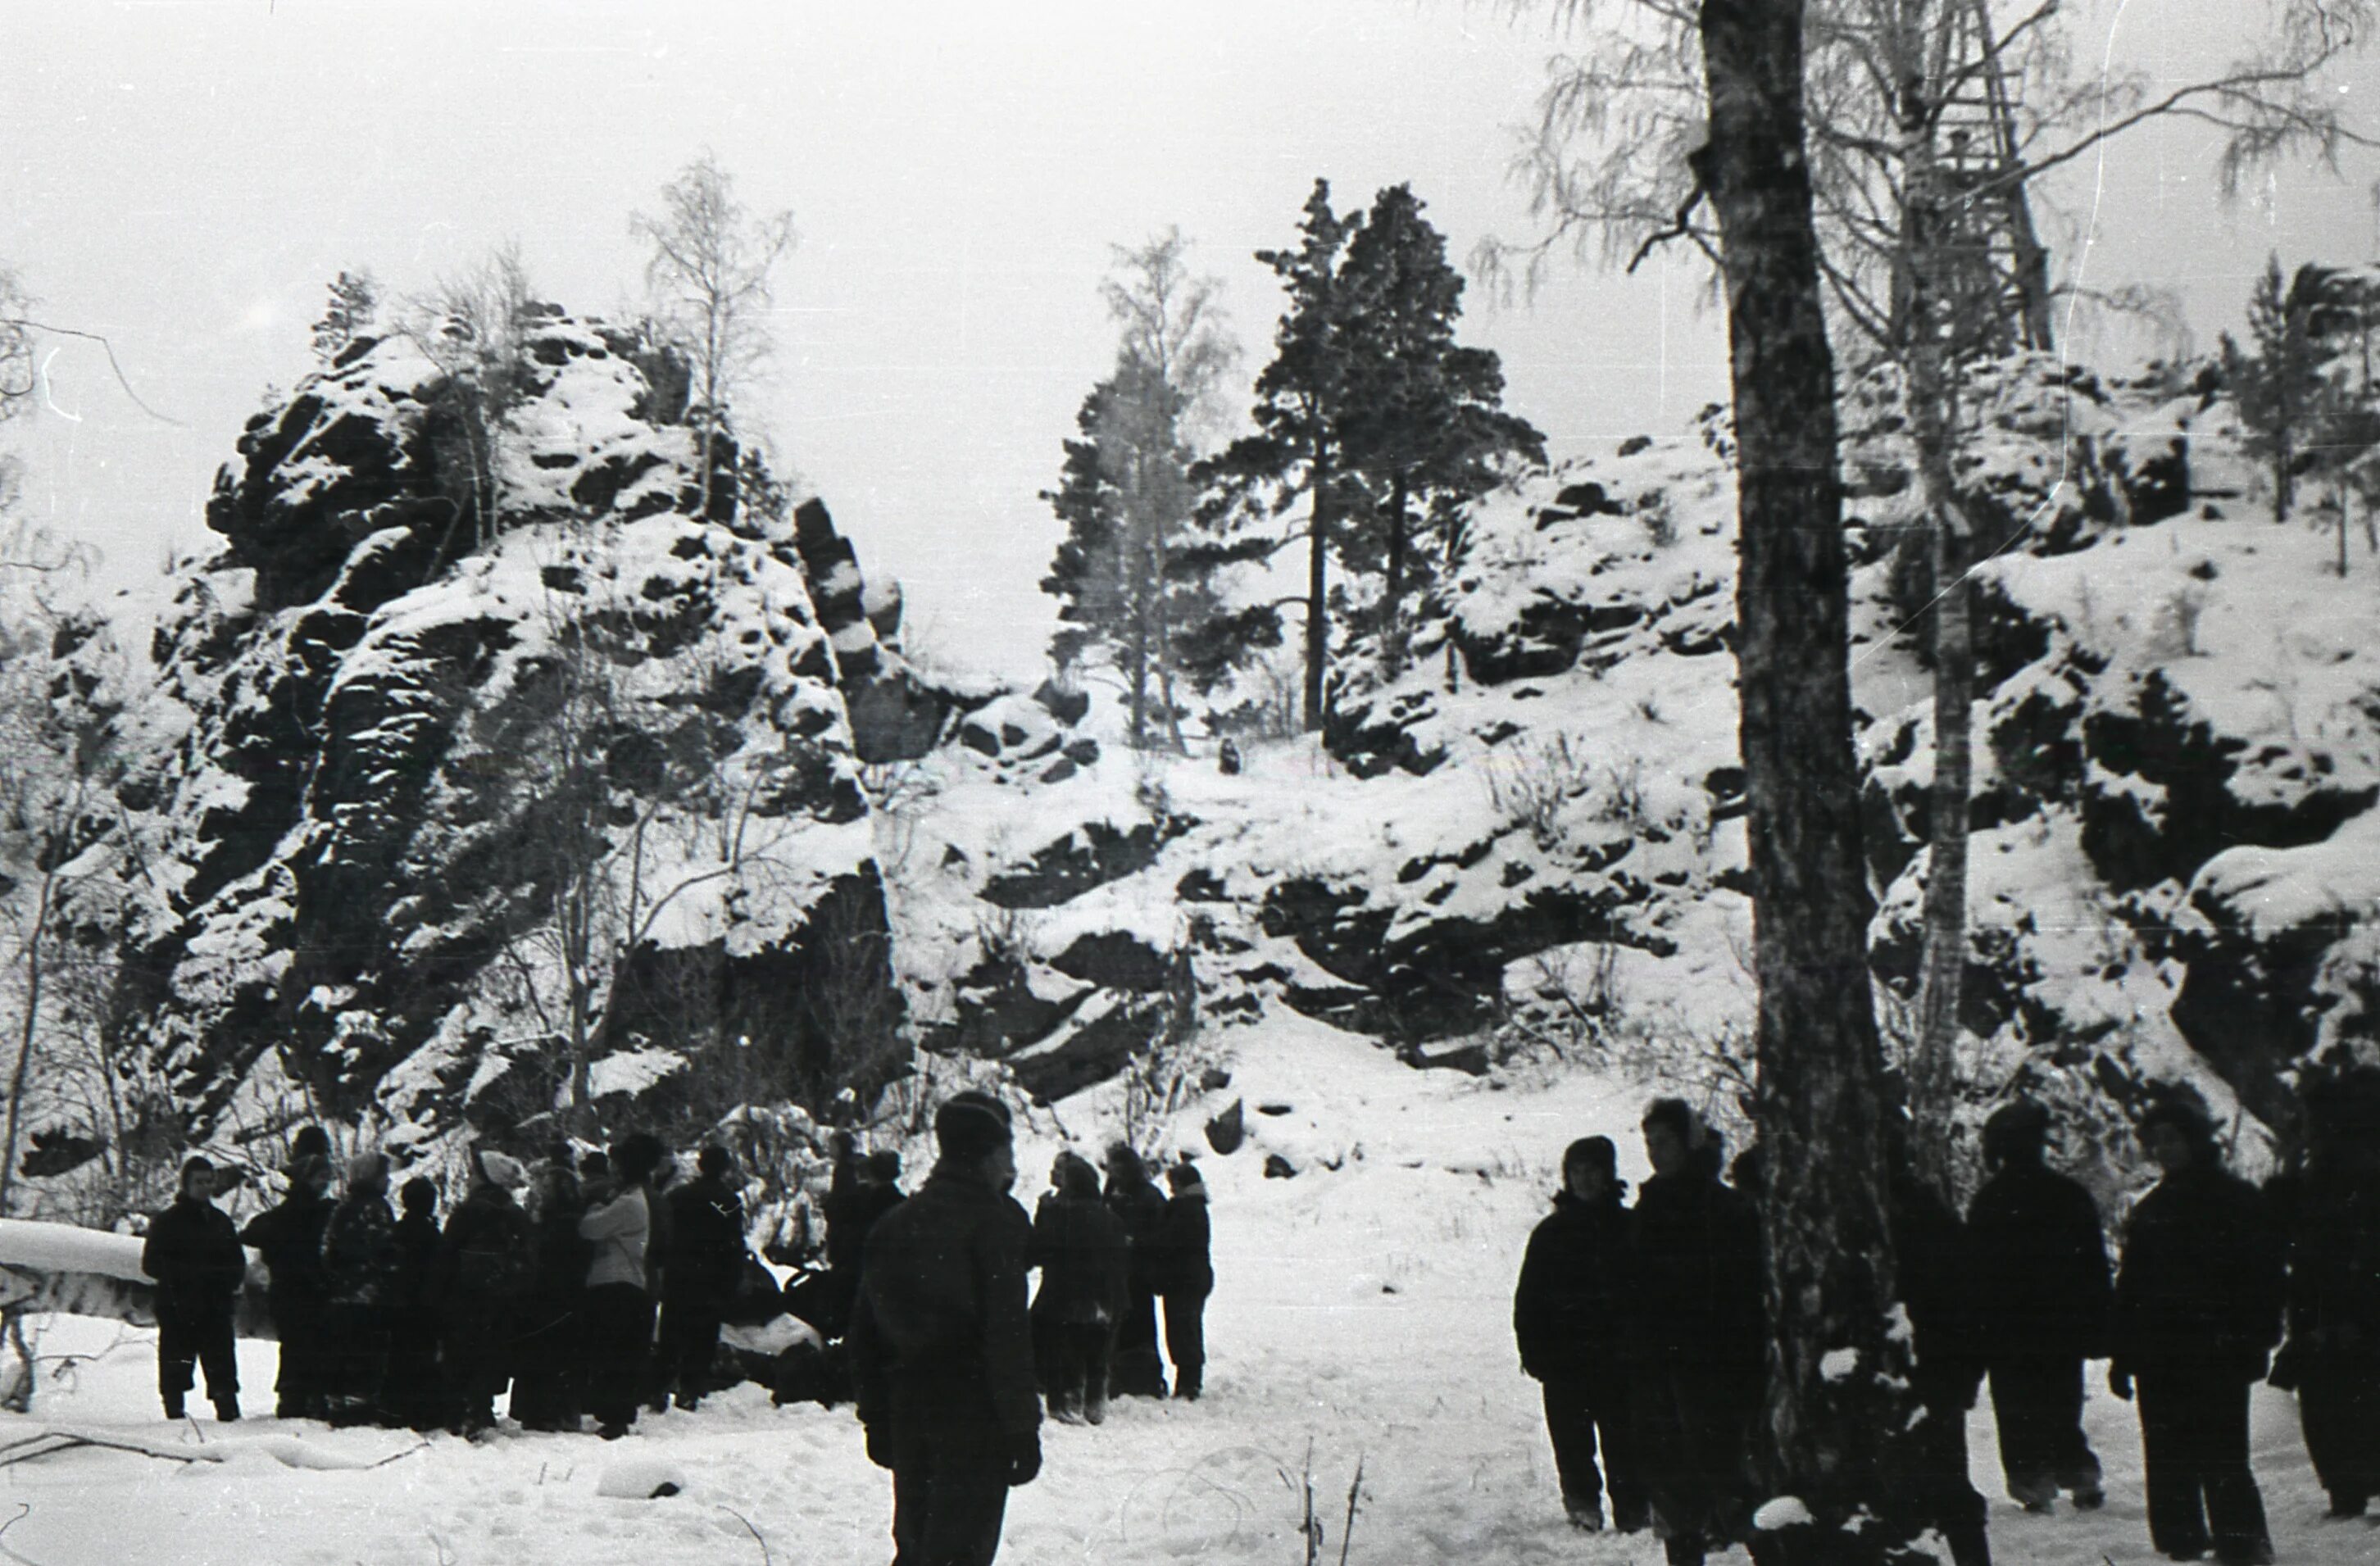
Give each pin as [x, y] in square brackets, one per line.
[527, 752]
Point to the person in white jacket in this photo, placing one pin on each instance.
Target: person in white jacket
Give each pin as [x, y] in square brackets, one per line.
[618, 1307]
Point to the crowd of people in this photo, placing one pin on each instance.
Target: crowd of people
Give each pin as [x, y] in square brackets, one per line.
[594, 1287]
[1645, 1327]
[578, 1284]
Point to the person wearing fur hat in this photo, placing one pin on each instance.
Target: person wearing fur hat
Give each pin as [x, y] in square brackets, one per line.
[288, 1236]
[195, 1258]
[2038, 1253]
[1184, 1276]
[359, 1266]
[486, 1262]
[1697, 1338]
[618, 1306]
[1568, 1321]
[941, 1346]
[706, 1261]
[2198, 1309]
[1084, 1258]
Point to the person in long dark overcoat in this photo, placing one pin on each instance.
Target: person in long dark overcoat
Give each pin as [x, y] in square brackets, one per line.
[2198, 1309]
[360, 1269]
[1935, 1270]
[1140, 1207]
[413, 1389]
[288, 1237]
[2042, 1297]
[1184, 1276]
[1697, 1338]
[706, 1261]
[548, 1368]
[1084, 1260]
[486, 1265]
[1569, 1315]
[941, 1348]
[194, 1257]
[2330, 1211]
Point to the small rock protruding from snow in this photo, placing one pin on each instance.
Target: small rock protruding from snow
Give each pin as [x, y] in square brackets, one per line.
[645, 1478]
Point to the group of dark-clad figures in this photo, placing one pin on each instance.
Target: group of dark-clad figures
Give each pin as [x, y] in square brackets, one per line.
[1647, 1326]
[606, 1293]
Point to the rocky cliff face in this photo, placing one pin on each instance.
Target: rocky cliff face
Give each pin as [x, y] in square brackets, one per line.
[454, 755]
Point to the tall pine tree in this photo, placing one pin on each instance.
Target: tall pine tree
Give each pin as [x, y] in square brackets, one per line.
[1425, 417]
[1131, 587]
[1302, 414]
[2279, 388]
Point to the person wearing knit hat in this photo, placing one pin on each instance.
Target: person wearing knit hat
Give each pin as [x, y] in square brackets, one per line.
[617, 1309]
[941, 1346]
[1133, 1198]
[486, 1261]
[413, 1391]
[1568, 1310]
[2038, 1254]
[2198, 1310]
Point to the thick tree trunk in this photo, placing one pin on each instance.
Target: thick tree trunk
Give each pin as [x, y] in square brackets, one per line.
[1318, 597]
[1829, 1280]
[36, 963]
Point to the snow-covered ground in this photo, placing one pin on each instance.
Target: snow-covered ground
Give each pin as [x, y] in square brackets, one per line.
[1361, 1314]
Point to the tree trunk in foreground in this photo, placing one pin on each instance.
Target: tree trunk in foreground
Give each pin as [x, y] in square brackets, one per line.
[1819, 1112]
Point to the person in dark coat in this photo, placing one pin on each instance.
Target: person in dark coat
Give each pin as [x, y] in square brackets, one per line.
[1568, 1321]
[288, 1236]
[1697, 1338]
[617, 1308]
[195, 1258]
[486, 1265]
[2198, 1309]
[1140, 1207]
[413, 1394]
[2042, 1295]
[1935, 1273]
[941, 1348]
[863, 1190]
[706, 1261]
[2330, 1211]
[1084, 1261]
[547, 1363]
[1184, 1276]
[360, 1267]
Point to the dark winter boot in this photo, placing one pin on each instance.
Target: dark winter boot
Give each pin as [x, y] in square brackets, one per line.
[227, 1411]
[174, 1408]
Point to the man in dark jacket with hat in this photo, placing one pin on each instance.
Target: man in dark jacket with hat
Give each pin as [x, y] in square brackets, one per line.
[1133, 1198]
[862, 1191]
[2198, 1309]
[942, 1349]
[705, 1262]
[288, 1236]
[1183, 1276]
[2039, 1258]
[1567, 1318]
[196, 1261]
[1697, 1337]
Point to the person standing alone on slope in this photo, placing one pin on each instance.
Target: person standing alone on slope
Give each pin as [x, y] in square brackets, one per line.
[196, 1259]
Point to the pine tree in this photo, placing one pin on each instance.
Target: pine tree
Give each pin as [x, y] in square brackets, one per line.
[1125, 491]
[1299, 448]
[1425, 417]
[353, 303]
[2279, 388]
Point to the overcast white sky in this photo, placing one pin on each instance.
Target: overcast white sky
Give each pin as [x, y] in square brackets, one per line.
[185, 175]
